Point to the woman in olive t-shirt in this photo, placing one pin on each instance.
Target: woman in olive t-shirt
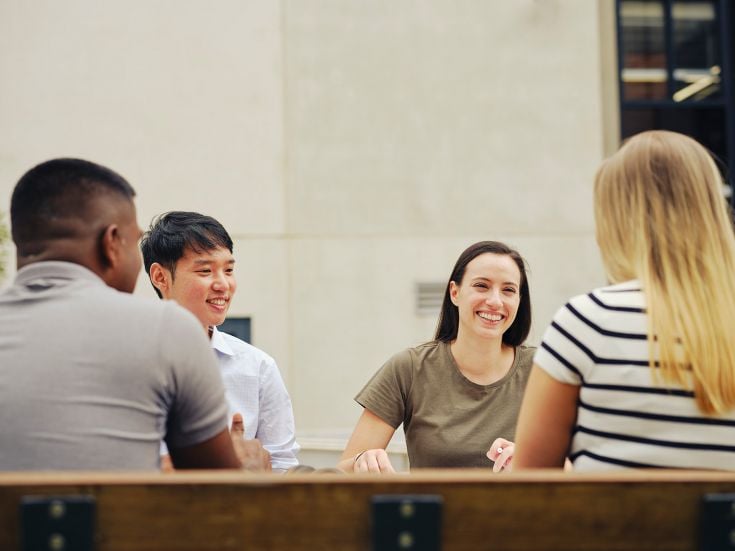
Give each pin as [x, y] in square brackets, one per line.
[457, 396]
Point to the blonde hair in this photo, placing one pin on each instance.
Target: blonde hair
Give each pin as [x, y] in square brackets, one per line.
[661, 218]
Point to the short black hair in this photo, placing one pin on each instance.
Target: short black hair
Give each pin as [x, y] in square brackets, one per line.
[448, 326]
[171, 233]
[55, 192]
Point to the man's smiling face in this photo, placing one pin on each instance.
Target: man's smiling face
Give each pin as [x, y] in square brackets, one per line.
[203, 283]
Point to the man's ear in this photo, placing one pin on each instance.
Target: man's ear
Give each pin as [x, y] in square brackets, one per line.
[453, 290]
[110, 246]
[160, 278]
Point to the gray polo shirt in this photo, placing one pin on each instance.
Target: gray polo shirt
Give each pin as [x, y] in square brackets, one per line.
[92, 378]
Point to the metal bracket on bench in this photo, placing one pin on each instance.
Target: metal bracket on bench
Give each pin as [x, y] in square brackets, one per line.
[717, 522]
[407, 522]
[57, 523]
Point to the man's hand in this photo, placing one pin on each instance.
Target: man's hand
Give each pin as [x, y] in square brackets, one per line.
[251, 453]
[167, 466]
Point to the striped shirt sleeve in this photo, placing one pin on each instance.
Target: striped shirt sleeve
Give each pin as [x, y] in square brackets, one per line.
[561, 354]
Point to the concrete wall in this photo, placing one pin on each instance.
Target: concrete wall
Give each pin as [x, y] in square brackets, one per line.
[185, 99]
[351, 148]
[412, 130]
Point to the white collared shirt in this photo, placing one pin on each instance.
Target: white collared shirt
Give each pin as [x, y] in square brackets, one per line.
[255, 389]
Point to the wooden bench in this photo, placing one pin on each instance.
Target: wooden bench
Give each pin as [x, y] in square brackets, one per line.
[542, 510]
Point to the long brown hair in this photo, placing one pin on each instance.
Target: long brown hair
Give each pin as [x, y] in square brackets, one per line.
[446, 329]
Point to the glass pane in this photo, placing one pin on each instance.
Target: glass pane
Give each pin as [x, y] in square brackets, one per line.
[238, 327]
[696, 43]
[706, 125]
[644, 51]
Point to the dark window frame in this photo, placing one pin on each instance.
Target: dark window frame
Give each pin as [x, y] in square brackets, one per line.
[240, 327]
[725, 17]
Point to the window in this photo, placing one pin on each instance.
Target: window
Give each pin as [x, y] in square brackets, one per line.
[675, 71]
[237, 327]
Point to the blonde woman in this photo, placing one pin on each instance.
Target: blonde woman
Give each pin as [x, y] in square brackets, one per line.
[641, 373]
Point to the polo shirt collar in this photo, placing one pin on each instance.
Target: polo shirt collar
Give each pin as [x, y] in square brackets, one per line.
[46, 272]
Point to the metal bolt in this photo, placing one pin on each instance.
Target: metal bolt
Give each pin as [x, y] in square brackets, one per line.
[57, 509]
[56, 542]
[405, 540]
[407, 509]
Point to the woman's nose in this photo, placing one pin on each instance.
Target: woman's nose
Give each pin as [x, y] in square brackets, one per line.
[493, 298]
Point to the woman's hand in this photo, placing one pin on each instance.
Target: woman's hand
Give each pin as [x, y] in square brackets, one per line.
[501, 452]
[365, 451]
[372, 461]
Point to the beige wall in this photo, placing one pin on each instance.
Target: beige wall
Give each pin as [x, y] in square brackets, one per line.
[185, 99]
[412, 130]
[352, 149]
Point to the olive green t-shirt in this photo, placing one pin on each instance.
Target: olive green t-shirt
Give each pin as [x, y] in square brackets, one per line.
[449, 421]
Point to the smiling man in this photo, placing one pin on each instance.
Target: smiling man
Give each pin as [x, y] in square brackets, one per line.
[188, 257]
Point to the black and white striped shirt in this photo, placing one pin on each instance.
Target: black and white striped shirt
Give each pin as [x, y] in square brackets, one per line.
[624, 418]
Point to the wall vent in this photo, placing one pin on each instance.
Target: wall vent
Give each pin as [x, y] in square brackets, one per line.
[429, 297]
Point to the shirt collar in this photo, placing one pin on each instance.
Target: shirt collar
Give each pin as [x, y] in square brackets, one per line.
[49, 271]
[220, 344]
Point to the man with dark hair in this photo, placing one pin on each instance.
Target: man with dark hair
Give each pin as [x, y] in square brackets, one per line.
[188, 257]
[92, 377]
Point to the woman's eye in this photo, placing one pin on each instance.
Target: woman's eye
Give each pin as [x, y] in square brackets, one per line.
[509, 290]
